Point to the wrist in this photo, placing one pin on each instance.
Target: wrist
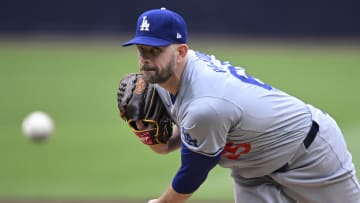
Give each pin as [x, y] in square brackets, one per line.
[171, 196]
[159, 148]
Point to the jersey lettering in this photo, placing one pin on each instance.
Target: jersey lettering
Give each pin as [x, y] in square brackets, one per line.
[222, 67]
[234, 151]
[215, 64]
[188, 139]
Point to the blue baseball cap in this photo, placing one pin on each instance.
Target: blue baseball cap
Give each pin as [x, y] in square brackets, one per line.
[159, 27]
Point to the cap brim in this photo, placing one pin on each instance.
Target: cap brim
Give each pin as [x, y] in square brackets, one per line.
[148, 41]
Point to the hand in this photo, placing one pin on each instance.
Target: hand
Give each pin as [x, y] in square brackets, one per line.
[140, 125]
[153, 201]
[171, 196]
[160, 148]
[174, 142]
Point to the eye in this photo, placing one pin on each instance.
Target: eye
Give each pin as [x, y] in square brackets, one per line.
[155, 51]
[149, 52]
[142, 49]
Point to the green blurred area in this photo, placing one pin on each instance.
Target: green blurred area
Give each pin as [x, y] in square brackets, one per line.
[94, 154]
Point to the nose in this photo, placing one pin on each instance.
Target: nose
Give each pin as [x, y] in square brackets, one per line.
[144, 61]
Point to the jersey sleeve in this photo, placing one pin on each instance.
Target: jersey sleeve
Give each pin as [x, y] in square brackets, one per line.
[204, 129]
[193, 171]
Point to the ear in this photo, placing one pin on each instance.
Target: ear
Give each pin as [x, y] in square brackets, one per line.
[182, 50]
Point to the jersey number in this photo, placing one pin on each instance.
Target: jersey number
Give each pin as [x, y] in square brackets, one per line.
[234, 151]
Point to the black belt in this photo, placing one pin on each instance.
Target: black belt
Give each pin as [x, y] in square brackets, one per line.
[311, 135]
[307, 142]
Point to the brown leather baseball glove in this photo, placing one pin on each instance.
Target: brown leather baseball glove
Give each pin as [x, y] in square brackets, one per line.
[140, 101]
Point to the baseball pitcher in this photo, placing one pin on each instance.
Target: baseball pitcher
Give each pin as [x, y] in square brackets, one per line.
[279, 149]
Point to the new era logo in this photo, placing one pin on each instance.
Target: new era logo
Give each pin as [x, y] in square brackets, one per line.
[178, 36]
[145, 25]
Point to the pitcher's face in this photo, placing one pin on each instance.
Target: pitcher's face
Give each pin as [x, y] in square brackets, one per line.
[157, 64]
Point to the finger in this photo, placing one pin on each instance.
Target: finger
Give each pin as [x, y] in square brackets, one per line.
[140, 125]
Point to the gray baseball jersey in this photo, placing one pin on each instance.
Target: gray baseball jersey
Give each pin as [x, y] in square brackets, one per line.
[258, 128]
[219, 108]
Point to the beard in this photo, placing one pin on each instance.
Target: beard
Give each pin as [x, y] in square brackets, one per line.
[153, 74]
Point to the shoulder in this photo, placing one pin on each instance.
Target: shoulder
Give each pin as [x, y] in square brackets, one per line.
[199, 113]
[206, 111]
[204, 128]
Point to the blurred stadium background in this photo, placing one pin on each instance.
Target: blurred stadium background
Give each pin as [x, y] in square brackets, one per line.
[65, 58]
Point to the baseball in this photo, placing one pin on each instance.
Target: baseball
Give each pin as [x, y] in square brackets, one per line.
[37, 126]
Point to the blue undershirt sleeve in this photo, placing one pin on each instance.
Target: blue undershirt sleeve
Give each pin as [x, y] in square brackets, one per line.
[193, 171]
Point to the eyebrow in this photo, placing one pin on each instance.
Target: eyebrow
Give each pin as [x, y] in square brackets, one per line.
[151, 49]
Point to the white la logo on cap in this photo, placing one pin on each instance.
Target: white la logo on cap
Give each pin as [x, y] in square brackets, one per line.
[145, 25]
